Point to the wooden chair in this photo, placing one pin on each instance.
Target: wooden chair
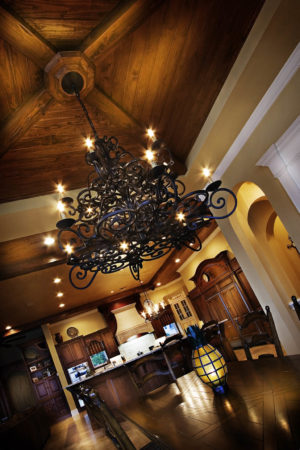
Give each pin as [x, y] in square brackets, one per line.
[153, 371]
[267, 334]
[214, 333]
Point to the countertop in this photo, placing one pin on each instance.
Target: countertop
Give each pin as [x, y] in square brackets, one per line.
[110, 367]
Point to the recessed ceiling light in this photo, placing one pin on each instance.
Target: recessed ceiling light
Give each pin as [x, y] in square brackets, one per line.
[177, 260]
[49, 240]
[61, 305]
[8, 327]
[57, 280]
[112, 292]
[158, 284]
[206, 172]
[59, 294]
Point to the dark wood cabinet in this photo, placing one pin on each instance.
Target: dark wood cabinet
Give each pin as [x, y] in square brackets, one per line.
[72, 353]
[223, 293]
[75, 351]
[106, 340]
[166, 318]
[47, 387]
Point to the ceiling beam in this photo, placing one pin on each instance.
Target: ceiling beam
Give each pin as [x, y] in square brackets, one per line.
[23, 118]
[122, 20]
[25, 39]
[121, 118]
[29, 254]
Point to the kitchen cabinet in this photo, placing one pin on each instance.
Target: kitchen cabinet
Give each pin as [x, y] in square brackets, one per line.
[166, 318]
[72, 352]
[106, 338]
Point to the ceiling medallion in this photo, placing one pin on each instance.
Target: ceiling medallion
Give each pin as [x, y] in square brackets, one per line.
[132, 210]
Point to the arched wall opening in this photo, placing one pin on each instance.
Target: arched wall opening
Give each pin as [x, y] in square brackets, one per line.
[273, 269]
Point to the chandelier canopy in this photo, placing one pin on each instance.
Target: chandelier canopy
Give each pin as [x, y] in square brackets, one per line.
[132, 211]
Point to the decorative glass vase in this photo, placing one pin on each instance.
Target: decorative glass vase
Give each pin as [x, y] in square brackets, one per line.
[208, 362]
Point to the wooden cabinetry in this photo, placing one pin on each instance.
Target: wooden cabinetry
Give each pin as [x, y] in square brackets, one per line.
[72, 352]
[76, 351]
[106, 339]
[46, 383]
[223, 293]
[166, 318]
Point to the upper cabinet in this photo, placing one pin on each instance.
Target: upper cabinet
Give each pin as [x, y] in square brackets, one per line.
[78, 350]
[72, 352]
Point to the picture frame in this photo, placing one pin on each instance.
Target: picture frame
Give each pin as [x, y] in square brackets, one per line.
[35, 380]
[32, 368]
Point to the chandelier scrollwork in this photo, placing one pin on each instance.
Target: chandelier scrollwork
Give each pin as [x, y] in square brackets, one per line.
[133, 211]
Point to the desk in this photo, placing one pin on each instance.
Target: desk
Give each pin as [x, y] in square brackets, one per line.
[260, 411]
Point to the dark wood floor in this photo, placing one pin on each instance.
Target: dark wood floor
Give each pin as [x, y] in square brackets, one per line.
[260, 411]
[76, 433]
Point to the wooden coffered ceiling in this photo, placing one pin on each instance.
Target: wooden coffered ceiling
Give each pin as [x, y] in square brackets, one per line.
[158, 63]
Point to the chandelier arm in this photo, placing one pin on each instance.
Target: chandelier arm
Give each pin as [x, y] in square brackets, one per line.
[222, 202]
[81, 276]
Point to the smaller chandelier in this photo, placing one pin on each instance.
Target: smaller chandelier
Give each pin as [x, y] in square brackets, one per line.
[132, 211]
[152, 310]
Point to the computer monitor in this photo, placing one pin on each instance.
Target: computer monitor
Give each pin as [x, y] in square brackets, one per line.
[99, 359]
[171, 329]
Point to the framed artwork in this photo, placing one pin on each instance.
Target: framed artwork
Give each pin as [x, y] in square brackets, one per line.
[32, 368]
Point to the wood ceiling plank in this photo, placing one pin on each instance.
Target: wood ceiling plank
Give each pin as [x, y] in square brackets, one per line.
[25, 39]
[23, 118]
[122, 20]
[19, 79]
[100, 100]
[63, 23]
[183, 67]
[126, 123]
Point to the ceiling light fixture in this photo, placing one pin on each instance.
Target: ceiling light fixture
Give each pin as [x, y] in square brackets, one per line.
[57, 280]
[59, 294]
[152, 310]
[132, 211]
[61, 305]
[8, 327]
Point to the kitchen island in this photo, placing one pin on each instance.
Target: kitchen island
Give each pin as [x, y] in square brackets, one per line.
[117, 384]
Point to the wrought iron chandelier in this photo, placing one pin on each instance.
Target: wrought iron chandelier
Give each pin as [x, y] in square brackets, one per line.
[132, 211]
